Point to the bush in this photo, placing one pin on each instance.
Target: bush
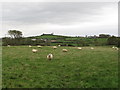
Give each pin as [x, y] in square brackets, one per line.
[112, 41]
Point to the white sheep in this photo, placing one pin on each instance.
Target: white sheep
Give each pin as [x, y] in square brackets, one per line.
[113, 47]
[64, 50]
[49, 56]
[116, 48]
[54, 47]
[34, 50]
[29, 46]
[8, 45]
[79, 48]
[59, 45]
[39, 46]
[92, 48]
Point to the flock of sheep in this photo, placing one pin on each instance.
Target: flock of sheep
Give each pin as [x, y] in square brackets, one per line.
[50, 56]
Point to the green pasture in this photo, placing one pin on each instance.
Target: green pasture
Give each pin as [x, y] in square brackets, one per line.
[86, 68]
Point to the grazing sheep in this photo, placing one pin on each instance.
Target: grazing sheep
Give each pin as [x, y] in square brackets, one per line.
[8, 45]
[29, 46]
[54, 47]
[116, 48]
[113, 47]
[49, 56]
[92, 48]
[34, 50]
[79, 48]
[64, 50]
[39, 46]
[59, 45]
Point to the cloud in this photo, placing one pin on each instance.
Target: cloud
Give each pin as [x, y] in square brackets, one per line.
[65, 18]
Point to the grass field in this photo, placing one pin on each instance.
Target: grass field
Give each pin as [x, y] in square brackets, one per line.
[84, 68]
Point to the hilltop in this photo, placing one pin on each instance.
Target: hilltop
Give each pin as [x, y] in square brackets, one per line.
[49, 36]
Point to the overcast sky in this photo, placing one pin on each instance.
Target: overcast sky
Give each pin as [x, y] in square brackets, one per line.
[61, 18]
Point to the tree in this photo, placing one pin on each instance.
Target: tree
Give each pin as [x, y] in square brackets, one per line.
[16, 37]
[104, 36]
[15, 34]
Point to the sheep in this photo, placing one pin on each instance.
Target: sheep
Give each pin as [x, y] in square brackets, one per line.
[113, 47]
[54, 47]
[59, 45]
[64, 50]
[92, 48]
[49, 56]
[116, 48]
[79, 48]
[29, 46]
[39, 46]
[34, 50]
[8, 45]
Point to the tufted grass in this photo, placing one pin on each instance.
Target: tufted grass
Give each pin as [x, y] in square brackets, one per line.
[84, 68]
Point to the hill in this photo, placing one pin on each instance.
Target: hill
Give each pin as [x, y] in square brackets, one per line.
[71, 41]
[50, 40]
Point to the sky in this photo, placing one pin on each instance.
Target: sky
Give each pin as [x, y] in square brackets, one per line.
[60, 18]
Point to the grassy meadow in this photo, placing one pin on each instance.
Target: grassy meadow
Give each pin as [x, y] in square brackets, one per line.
[86, 68]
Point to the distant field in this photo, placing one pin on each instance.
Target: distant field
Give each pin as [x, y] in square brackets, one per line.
[84, 68]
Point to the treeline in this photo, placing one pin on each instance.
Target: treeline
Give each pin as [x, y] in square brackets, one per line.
[49, 40]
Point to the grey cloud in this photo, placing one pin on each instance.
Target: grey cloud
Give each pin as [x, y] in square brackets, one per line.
[66, 18]
[52, 12]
